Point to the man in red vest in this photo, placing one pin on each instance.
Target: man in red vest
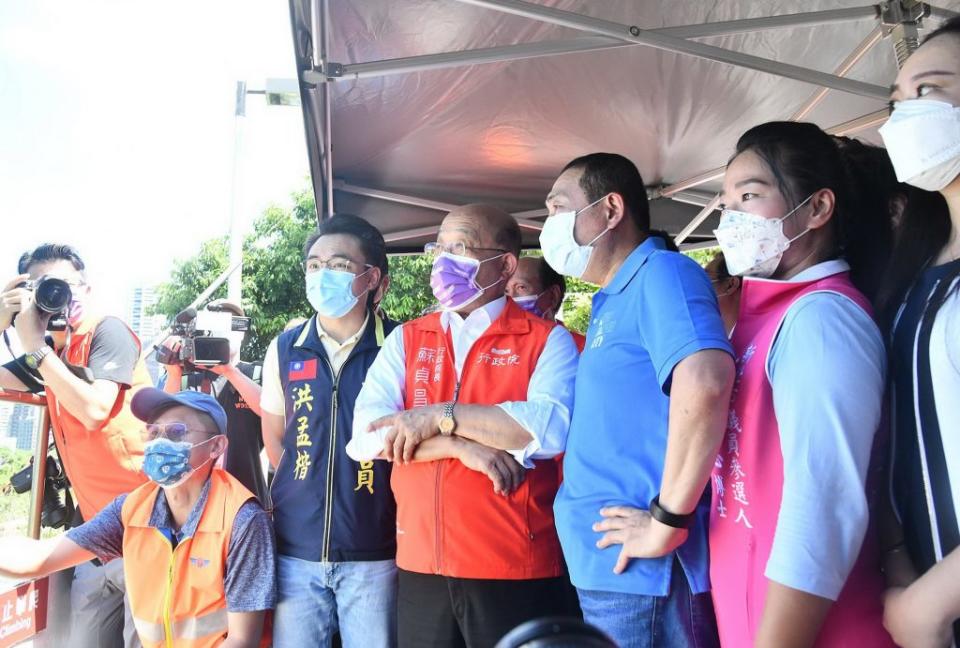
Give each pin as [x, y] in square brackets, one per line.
[539, 289]
[457, 399]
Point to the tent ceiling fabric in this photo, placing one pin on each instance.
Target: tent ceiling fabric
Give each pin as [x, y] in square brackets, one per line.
[500, 132]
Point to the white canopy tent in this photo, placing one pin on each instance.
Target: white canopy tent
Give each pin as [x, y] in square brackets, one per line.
[414, 106]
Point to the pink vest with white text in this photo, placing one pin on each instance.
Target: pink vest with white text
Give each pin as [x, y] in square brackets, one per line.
[748, 484]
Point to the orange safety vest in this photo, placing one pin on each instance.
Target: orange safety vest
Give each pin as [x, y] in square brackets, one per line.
[449, 520]
[103, 463]
[177, 595]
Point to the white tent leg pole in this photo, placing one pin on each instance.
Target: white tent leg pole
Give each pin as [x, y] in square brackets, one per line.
[673, 44]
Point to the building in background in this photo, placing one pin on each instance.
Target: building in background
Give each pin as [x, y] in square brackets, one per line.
[20, 422]
[145, 325]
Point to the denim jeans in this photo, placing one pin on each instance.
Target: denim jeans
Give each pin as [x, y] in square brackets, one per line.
[680, 619]
[315, 600]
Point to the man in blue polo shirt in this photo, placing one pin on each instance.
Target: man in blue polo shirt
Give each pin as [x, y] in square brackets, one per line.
[651, 399]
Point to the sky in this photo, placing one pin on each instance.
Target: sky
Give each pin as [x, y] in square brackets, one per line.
[117, 130]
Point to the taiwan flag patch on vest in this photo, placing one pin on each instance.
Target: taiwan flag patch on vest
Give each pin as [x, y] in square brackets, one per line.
[302, 370]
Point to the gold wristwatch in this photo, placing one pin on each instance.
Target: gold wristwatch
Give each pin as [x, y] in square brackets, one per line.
[447, 423]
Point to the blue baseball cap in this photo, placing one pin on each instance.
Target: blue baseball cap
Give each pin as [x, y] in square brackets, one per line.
[149, 403]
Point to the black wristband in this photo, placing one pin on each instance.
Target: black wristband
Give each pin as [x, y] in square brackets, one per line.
[664, 516]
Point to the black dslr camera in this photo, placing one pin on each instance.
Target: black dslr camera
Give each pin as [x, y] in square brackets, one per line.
[52, 296]
[58, 506]
[204, 341]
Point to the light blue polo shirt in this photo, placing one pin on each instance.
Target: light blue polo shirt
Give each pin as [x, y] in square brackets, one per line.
[659, 308]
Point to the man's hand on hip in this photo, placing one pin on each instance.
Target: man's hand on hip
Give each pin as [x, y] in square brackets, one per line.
[640, 535]
[408, 430]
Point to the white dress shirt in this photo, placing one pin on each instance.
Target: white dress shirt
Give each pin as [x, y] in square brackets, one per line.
[545, 414]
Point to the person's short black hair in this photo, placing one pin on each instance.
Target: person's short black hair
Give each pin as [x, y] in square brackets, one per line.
[371, 241]
[51, 252]
[550, 277]
[606, 173]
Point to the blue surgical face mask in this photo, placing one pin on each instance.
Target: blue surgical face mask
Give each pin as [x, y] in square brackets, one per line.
[330, 292]
[167, 462]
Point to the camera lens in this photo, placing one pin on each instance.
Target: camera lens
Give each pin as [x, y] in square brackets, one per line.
[52, 295]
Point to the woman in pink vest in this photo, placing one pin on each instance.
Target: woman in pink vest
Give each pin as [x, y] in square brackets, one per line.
[791, 559]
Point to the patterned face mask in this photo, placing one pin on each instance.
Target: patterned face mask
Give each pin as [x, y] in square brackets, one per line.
[167, 462]
[753, 245]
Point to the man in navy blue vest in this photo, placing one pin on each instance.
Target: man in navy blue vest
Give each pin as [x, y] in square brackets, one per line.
[335, 518]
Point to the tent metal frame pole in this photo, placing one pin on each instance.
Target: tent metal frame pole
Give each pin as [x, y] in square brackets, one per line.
[320, 23]
[845, 67]
[394, 197]
[860, 123]
[368, 69]
[861, 50]
[522, 218]
[678, 45]
[701, 216]
[943, 14]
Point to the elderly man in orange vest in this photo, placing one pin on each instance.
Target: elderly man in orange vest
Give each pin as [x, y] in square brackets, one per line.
[89, 367]
[539, 289]
[457, 399]
[199, 548]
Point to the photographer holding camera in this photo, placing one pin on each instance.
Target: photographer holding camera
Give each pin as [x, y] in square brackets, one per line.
[89, 368]
[236, 387]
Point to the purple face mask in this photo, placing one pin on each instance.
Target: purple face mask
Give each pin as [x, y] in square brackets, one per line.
[454, 280]
[529, 304]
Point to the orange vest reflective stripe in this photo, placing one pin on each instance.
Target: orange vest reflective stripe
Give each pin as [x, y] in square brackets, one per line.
[449, 521]
[177, 596]
[104, 463]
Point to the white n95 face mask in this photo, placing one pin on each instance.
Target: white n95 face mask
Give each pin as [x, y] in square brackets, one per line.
[560, 247]
[922, 138]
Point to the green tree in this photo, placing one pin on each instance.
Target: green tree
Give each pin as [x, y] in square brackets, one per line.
[273, 286]
[410, 292]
